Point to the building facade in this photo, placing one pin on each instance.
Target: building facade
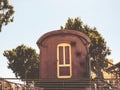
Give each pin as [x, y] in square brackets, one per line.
[64, 54]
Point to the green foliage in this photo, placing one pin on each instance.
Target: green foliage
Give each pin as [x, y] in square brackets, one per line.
[6, 12]
[23, 61]
[98, 49]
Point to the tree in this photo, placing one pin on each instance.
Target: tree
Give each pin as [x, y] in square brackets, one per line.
[6, 12]
[98, 50]
[23, 61]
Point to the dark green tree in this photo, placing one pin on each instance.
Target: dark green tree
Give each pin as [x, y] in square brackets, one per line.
[23, 61]
[6, 13]
[98, 50]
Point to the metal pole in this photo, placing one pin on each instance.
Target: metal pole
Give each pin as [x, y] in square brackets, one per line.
[3, 84]
[90, 71]
[95, 85]
[25, 79]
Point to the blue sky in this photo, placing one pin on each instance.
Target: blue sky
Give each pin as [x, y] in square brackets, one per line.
[33, 18]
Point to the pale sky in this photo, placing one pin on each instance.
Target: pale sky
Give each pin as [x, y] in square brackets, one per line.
[33, 18]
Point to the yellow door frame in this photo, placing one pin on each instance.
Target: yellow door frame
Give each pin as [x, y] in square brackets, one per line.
[64, 64]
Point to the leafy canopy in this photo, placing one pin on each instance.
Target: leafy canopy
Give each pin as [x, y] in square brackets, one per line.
[23, 61]
[6, 12]
[98, 50]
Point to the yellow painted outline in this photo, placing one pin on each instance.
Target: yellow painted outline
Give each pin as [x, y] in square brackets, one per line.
[64, 63]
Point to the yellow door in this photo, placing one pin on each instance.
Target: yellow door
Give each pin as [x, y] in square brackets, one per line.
[64, 66]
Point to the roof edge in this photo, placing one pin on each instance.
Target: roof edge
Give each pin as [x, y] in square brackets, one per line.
[57, 32]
